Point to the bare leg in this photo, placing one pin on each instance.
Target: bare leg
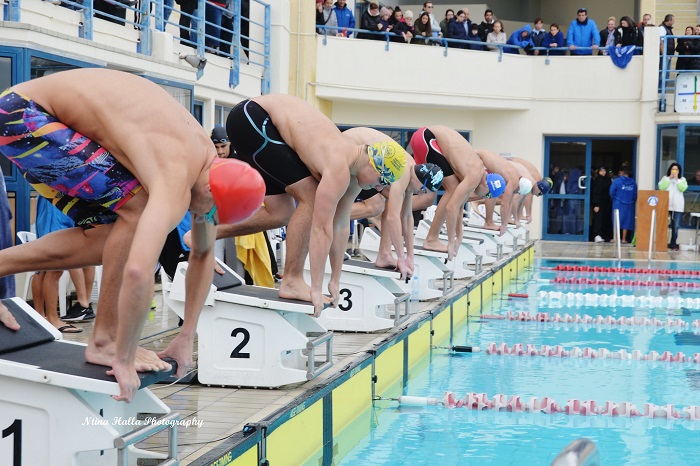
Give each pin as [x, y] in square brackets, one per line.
[385, 258]
[50, 291]
[298, 235]
[83, 280]
[432, 239]
[490, 208]
[38, 292]
[79, 248]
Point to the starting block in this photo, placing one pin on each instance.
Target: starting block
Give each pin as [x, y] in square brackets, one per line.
[55, 408]
[249, 336]
[431, 265]
[366, 292]
[476, 219]
[477, 245]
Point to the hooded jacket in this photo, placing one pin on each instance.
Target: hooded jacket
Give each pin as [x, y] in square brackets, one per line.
[345, 18]
[517, 39]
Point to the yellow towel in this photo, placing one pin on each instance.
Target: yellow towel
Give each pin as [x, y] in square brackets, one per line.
[252, 251]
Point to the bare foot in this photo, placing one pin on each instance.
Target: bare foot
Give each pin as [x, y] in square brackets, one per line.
[386, 262]
[435, 245]
[146, 360]
[7, 318]
[298, 289]
[491, 226]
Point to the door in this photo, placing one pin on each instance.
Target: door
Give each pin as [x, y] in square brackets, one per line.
[566, 214]
[570, 161]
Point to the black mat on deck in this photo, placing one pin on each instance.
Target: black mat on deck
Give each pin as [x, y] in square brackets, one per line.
[368, 265]
[269, 294]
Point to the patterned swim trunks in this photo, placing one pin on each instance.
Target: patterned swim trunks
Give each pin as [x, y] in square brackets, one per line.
[76, 174]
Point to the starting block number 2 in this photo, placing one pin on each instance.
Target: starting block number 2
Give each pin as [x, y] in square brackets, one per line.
[236, 353]
[14, 430]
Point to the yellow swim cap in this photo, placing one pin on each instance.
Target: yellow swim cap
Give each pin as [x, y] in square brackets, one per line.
[389, 159]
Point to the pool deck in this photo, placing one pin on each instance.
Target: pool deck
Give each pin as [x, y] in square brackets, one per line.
[224, 411]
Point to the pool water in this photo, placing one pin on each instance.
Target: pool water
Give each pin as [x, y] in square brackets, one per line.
[437, 435]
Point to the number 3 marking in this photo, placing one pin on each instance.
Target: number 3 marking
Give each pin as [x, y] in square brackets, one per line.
[236, 353]
[348, 295]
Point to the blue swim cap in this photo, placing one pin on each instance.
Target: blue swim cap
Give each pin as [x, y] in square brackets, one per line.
[545, 185]
[496, 184]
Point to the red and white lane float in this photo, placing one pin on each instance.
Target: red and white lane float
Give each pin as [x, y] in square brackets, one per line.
[560, 299]
[625, 283]
[520, 349]
[585, 319]
[620, 270]
[515, 403]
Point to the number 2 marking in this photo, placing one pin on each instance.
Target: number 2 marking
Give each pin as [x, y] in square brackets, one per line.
[236, 353]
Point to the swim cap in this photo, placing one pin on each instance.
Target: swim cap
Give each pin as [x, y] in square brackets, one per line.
[237, 188]
[389, 159]
[525, 186]
[496, 184]
[430, 175]
[545, 184]
[218, 135]
[423, 142]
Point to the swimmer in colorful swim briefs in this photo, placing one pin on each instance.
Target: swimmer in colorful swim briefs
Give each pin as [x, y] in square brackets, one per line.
[397, 215]
[126, 162]
[302, 156]
[464, 175]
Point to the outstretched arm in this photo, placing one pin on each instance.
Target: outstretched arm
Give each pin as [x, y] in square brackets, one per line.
[391, 225]
[454, 216]
[330, 190]
[507, 205]
[407, 228]
[200, 273]
[341, 231]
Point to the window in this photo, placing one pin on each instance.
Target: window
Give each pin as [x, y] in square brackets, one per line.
[221, 114]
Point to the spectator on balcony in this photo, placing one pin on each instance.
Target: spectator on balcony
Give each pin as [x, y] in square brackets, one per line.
[370, 21]
[666, 29]
[522, 38]
[385, 20]
[214, 15]
[537, 36]
[404, 29]
[497, 36]
[609, 36]
[697, 30]
[554, 39]
[467, 22]
[583, 33]
[474, 36]
[445, 23]
[686, 47]
[325, 17]
[345, 18]
[630, 34]
[434, 25]
[456, 29]
[486, 25]
[424, 28]
[646, 21]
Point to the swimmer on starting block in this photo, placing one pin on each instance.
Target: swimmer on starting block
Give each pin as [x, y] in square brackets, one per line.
[494, 163]
[303, 157]
[464, 174]
[540, 188]
[125, 161]
[397, 212]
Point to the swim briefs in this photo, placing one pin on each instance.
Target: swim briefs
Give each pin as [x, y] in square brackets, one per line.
[256, 141]
[76, 174]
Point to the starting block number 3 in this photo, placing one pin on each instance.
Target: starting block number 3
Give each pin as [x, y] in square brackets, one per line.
[346, 303]
[14, 430]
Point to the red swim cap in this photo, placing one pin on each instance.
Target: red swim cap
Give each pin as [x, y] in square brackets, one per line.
[237, 188]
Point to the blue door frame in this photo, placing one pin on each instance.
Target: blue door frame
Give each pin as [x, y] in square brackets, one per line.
[585, 196]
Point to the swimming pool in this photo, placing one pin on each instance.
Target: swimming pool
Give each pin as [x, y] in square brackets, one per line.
[436, 435]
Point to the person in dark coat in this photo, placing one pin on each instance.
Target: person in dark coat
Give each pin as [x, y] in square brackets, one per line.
[455, 29]
[686, 47]
[371, 21]
[602, 206]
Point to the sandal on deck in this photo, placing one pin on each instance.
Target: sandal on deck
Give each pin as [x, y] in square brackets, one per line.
[70, 329]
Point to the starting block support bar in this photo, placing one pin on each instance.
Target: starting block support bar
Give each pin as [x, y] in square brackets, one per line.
[166, 422]
[318, 339]
[401, 300]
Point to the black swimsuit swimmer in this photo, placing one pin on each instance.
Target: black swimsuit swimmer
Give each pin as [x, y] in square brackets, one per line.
[257, 142]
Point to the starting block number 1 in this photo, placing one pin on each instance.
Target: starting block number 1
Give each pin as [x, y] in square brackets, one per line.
[14, 430]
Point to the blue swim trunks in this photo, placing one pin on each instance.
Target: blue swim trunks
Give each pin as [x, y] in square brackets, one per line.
[80, 177]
